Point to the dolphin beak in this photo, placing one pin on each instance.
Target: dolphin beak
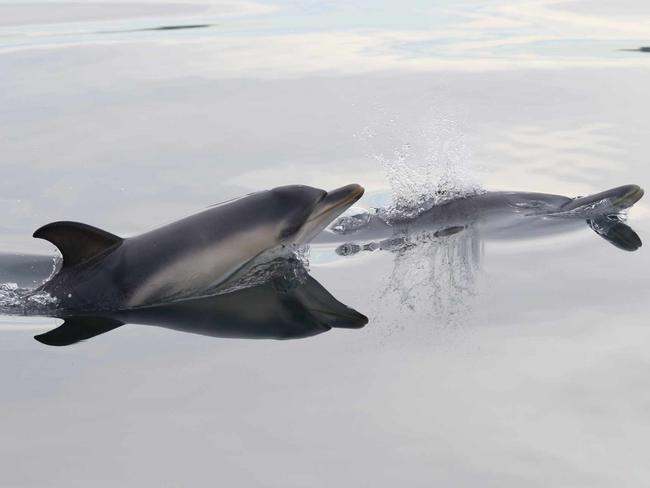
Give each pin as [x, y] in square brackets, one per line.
[333, 204]
[336, 202]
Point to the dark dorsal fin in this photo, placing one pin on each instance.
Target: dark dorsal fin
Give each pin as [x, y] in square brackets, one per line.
[76, 329]
[77, 242]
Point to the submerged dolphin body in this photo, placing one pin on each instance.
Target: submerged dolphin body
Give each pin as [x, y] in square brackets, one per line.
[265, 311]
[493, 215]
[190, 257]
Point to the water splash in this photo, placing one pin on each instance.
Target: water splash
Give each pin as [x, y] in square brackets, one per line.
[286, 268]
[424, 166]
[15, 300]
[433, 280]
[434, 274]
[22, 275]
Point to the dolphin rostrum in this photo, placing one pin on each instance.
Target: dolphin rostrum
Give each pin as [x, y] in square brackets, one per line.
[191, 257]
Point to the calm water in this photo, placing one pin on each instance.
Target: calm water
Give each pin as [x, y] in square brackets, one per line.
[485, 362]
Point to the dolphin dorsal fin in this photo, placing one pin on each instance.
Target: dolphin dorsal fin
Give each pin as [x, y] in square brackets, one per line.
[77, 242]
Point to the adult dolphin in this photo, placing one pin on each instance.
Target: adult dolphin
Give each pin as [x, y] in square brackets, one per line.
[190, 257]
[494, 215]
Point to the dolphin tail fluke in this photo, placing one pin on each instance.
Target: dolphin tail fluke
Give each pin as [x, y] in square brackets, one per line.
[76, 329]
[616, 233]
[77, 242]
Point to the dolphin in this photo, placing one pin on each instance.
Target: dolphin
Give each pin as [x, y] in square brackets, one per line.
[271, 310]
[191, 257]
[498, 214]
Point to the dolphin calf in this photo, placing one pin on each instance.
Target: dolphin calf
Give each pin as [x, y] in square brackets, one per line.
[492, 215]
[279, 311]
[194, 256]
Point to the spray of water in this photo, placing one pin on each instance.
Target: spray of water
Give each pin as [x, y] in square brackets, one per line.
[424, 164]
[15, 300]
[285, 268]
[18, 295]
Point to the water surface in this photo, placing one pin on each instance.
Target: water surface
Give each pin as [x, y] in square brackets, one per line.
[484, 362]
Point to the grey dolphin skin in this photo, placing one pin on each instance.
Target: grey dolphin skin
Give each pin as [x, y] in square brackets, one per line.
[190, 257]
[495, 215]
[265, 311]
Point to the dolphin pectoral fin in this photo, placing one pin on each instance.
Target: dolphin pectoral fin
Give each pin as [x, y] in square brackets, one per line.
[77, 242]
[75, 329]
[616, 233]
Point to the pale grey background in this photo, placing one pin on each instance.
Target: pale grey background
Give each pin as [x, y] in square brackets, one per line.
[535, 372]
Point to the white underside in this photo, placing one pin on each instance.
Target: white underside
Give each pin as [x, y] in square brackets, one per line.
[206, 268]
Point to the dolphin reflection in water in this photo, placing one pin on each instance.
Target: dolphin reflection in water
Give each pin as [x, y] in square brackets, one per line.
[277, 309]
